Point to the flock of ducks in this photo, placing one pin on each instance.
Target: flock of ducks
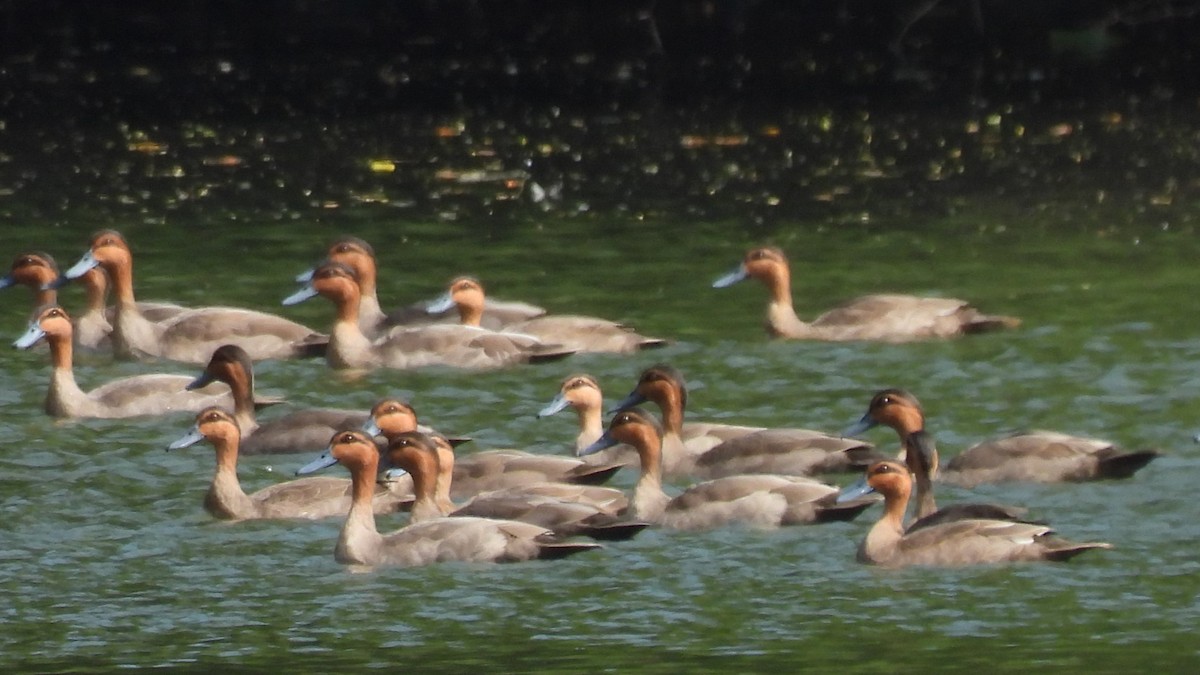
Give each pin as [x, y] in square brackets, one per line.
[510, 505]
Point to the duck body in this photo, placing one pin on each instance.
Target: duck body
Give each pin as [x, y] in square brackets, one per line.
[577, 333]
[881, 317]
[412, 347]
[713, 450]
[760, 500]
[191, 335]
[149, 394]
[428, 539]
[1043, 457]
[968, 541]
[306, 498]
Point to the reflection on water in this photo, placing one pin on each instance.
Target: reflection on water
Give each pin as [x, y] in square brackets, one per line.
[1076, 218]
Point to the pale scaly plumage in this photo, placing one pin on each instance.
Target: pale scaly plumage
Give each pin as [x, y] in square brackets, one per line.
[192, 335]
[887, 318]
[149, 394]
[309, 498]
[970, 541]
[759, 500]
[430, 541]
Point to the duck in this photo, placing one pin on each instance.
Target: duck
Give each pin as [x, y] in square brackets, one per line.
[416, 346]
[1030, 456]
[189, 336]
[493, 469]
[884, 317]
[39, 272]
[711, 450]
[359, 256]
[466, 539]
[308, 498]
[760, 500]
[561, 508]
[972, 541]
[580, 333]
[137, 395]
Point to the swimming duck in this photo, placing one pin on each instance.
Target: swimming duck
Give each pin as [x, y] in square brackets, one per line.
[889, 318]
[762, 500]
[155, 394]
[961, 542]
[416, 346]
[490, 469]
[319, 497]
[431, 541]
[192, 335]
[359, 256]
[580, 333]
[562, 508]
[712, 450]
[39, 272]
[1039, 456]
[901, 411]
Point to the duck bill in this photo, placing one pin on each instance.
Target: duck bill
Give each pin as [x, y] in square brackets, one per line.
[31, 337]
[634, 398]
[559, 403]
[325, 461]
[59, 282]
[192, 437]
[859, 427]
[442, 303]
[306, 276]
[732, 278]
[605, 441]
[87, 262]
[856, 490]
[393, 475]
[371, 428]
[305, 292]
[7, 281]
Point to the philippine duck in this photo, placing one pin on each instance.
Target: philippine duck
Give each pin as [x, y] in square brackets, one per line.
[889, 318]
[149, 394]
[192, 335]
[319, 497]
[429, 541]
[581, 333]
[970, 541]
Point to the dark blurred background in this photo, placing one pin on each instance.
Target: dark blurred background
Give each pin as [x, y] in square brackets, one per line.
[368, 54]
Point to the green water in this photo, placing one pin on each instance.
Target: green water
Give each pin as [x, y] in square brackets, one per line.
[1090, 236]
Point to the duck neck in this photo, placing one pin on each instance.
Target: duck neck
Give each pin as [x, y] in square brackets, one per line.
[44, 296]
[64, 398]
[226, 499]
[591, 426]
[121, 278]
[96, 285]
[359, 541]
[426, 487]
[674, 453]
[470, 314]
[671, 405]
[920, 456]
[349, 347]
[884, 536]
[242, 389]
[649, 500]
[445, 480]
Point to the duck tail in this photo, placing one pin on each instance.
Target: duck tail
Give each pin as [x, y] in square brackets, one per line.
[551, 549]
[985, 323]
[612, 530]
[312, 347]
[653, 343]
[833, 512]
[1062, 550]
[593, 475]
[1125, 464]
[550, 353]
